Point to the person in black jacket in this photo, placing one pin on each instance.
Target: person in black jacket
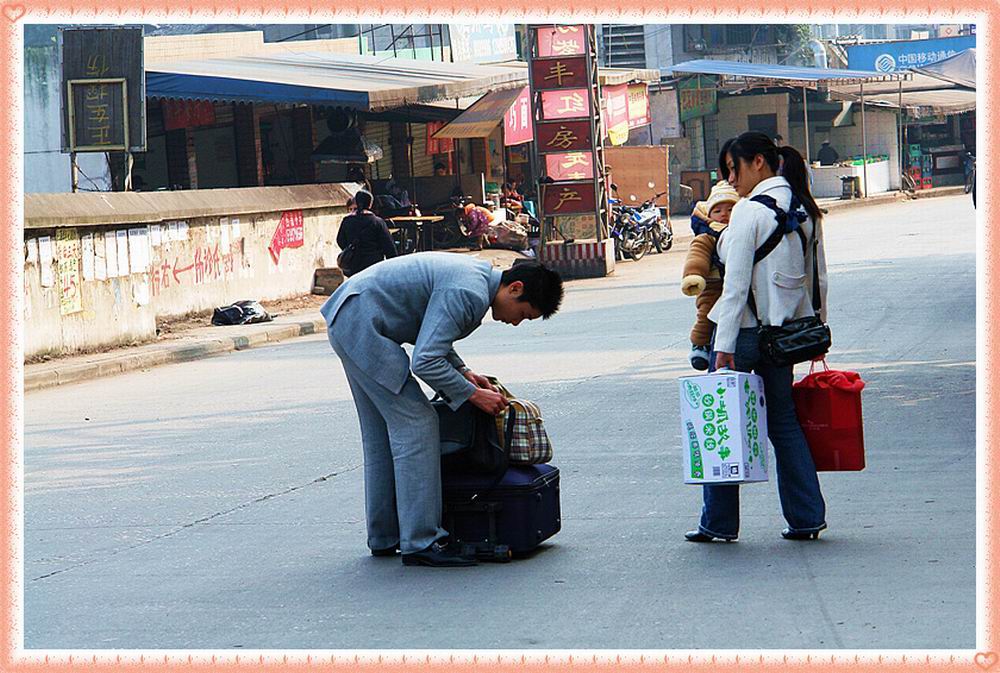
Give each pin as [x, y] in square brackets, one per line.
[368, 233]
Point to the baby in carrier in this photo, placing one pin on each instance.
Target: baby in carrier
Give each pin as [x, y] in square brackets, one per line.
[702, 278]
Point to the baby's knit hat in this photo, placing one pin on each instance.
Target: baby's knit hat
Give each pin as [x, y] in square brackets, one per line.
[722, 192]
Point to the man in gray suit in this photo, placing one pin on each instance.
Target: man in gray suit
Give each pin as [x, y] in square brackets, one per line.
[430, 300]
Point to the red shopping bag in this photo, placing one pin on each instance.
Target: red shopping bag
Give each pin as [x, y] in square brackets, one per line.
[828, 404]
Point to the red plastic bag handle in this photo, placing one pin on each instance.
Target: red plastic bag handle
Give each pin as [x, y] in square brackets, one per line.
[812, 365]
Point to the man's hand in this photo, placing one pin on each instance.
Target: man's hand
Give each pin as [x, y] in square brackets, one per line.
[479, 380]
[489, 401]
[725, 360]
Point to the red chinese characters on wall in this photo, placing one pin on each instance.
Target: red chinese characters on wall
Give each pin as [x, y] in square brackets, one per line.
[289, 234]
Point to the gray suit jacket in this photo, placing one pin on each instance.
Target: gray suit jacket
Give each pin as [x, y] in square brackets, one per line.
[430, 300]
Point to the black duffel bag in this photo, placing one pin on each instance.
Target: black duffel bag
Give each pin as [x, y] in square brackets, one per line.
[470, 442]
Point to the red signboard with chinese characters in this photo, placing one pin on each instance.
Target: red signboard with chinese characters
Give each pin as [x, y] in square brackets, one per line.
[518, 128]
[570, 166]
[179, 114]
[561, 41]
[568, 136]
[560, 73]
[569, 198]
[289, 234]
[564, 104]
[437, 145]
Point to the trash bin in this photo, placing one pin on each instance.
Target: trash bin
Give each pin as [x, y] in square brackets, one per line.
[850, 187]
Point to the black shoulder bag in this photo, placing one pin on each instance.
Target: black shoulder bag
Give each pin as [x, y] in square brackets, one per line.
[470, 442]
[799, 339]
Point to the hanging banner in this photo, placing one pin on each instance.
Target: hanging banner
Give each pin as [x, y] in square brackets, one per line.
[570, 198]
[638, 105]
[616, 112]
[437, 145]
[570, 166]
[564, 104]
[569, 136]
[561, 41]
[179, 114]
[518, 128]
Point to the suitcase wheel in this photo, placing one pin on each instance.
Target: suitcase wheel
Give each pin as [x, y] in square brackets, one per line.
[501, 553]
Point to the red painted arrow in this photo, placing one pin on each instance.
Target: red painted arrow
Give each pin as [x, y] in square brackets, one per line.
[177, 271]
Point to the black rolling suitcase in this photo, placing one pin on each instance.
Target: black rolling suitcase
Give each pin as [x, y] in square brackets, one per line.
[505, 517]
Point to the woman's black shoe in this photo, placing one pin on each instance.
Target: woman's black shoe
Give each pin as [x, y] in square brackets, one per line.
[698, 536]
[439, 556]
[789, 534]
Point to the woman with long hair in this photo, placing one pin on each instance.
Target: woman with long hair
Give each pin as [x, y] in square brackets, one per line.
[781, 285]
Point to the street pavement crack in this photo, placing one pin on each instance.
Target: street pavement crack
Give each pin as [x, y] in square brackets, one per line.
[197, 522]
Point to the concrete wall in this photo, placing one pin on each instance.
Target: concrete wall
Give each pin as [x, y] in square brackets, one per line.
[221, 257]
[734, 112]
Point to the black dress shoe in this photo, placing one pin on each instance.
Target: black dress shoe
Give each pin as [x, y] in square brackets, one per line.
[789, 534]
[698, 536]
[438, 555]
[388, 551]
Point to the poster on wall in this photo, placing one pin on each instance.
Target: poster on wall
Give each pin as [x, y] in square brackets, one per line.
[290, 233]
[111, 254]
[138, 250]
[100, 261]
[31, 256]
[121, 237]
[45, 261]
[87, 247]
[68, 251]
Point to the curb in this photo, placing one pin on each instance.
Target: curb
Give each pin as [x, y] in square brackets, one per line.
[187, 352]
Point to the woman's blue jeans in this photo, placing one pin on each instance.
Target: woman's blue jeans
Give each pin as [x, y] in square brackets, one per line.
[798, 486]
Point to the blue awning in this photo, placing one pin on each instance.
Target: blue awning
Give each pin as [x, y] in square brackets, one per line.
[781, 75]
[316, 78]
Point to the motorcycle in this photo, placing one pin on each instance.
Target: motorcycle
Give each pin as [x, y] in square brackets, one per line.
[633, 237]
[650, 217]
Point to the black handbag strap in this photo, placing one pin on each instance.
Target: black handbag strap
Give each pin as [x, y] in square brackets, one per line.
[508, 432]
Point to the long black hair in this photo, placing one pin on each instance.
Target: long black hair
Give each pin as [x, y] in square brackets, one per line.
[793, 167]
[724, 160]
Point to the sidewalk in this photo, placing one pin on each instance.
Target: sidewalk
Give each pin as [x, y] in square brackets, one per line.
[196, 343]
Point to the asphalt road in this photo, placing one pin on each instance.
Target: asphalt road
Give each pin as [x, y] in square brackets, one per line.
[218, 503]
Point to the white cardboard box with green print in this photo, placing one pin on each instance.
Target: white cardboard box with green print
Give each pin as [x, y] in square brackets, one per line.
[723, 428]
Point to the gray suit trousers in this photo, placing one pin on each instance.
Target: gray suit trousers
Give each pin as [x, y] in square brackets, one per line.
[400, 438]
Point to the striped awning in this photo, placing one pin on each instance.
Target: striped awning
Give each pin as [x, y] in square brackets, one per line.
[482, 118]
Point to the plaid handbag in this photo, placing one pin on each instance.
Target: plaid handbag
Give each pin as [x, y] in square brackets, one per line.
[521, 428]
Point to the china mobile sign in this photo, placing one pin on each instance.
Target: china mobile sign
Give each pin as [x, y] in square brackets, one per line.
[905, 54]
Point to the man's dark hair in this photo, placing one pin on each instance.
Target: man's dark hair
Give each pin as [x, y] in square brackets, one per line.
[440, 165]
[543, 287]
[363, 200]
